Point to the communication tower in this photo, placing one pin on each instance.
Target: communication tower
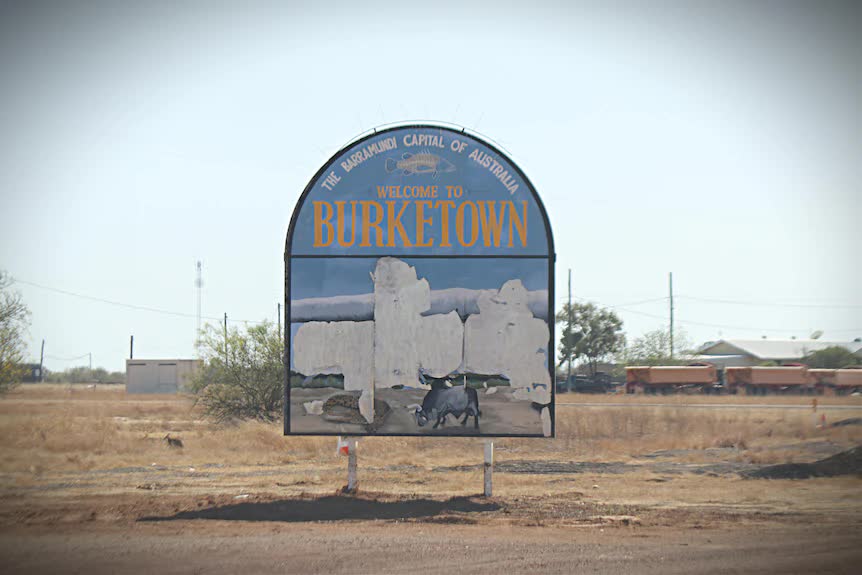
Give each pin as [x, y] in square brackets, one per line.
[199, 284]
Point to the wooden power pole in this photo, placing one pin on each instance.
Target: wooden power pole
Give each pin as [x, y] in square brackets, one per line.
[568, 344]
[225, 338]
[670, 282]
[42, 363]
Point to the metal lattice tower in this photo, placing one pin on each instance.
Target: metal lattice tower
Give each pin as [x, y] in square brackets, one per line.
[199, 284]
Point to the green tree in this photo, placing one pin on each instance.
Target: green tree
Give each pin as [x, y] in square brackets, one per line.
[14, 319]
[592, 335]
[653, 348]
[832, 357]
[570, 335]
[242, 374]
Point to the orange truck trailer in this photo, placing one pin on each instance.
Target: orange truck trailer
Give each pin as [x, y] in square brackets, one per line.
[763, 380]
[669, 378]
[823, 380]
[837, 381]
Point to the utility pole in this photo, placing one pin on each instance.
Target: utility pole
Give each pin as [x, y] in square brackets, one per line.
[131, 347]
[670, 280]
[91, 360]
[42, 362]
[569, 314]
[225, 338]
[279, 317]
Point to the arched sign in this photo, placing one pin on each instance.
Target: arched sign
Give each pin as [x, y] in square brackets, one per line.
[419, 288]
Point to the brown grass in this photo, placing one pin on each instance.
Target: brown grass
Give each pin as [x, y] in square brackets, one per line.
[620, 431]
[65, 444]
[65, 428]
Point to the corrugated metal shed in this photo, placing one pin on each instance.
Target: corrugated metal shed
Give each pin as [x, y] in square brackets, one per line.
[775, 349]
[159, 375]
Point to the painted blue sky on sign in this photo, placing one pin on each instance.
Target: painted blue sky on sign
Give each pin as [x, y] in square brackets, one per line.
[411, 157]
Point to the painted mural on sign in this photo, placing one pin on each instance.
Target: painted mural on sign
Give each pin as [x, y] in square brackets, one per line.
[419, 277]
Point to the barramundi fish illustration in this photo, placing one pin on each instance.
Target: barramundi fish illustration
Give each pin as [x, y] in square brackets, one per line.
[421, 163]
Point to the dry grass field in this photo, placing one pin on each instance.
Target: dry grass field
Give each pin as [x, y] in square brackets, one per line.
[93, 463]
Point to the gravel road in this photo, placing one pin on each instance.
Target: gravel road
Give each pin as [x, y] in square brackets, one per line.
[391, 547]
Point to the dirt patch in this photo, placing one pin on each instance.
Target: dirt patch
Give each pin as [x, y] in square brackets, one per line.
[150, 505]
[848, 421]
[711, 453]
[545, 467]
[339, 508]
[844, 463]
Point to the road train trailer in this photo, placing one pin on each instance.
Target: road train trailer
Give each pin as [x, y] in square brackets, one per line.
[836, 381]
[701, 378]
[706, 378]
[763, 380]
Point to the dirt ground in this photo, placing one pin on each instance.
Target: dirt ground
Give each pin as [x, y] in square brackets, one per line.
[87, 485]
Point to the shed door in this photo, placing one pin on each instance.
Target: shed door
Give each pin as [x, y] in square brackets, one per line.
[167, 378]
[136, 378]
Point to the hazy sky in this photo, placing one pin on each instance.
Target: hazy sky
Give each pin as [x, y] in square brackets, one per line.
[721, 141]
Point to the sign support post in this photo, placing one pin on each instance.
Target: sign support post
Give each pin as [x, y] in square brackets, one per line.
[489, 467]
[351, 465]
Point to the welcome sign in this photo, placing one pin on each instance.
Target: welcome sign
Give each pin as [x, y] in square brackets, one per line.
[419, 271]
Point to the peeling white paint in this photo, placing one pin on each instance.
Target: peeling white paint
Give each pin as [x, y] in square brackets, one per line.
[546, 422]
[366, 404]
[313, 407]
[440, 344]
[344, 347]
[404, 340]
[399, 300]
[505, 339]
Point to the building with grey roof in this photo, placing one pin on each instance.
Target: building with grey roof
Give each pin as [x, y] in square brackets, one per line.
[752, 352]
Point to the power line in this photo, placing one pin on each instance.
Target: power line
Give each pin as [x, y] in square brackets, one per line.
[49, 356]
[704, 324]
[770, 304]
[734, 302]
[103, 300]
[718, 325]
[639, 302]
[126, 305]
[741, 328]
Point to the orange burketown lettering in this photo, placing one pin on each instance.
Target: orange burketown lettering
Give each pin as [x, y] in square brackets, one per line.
[411, 223]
